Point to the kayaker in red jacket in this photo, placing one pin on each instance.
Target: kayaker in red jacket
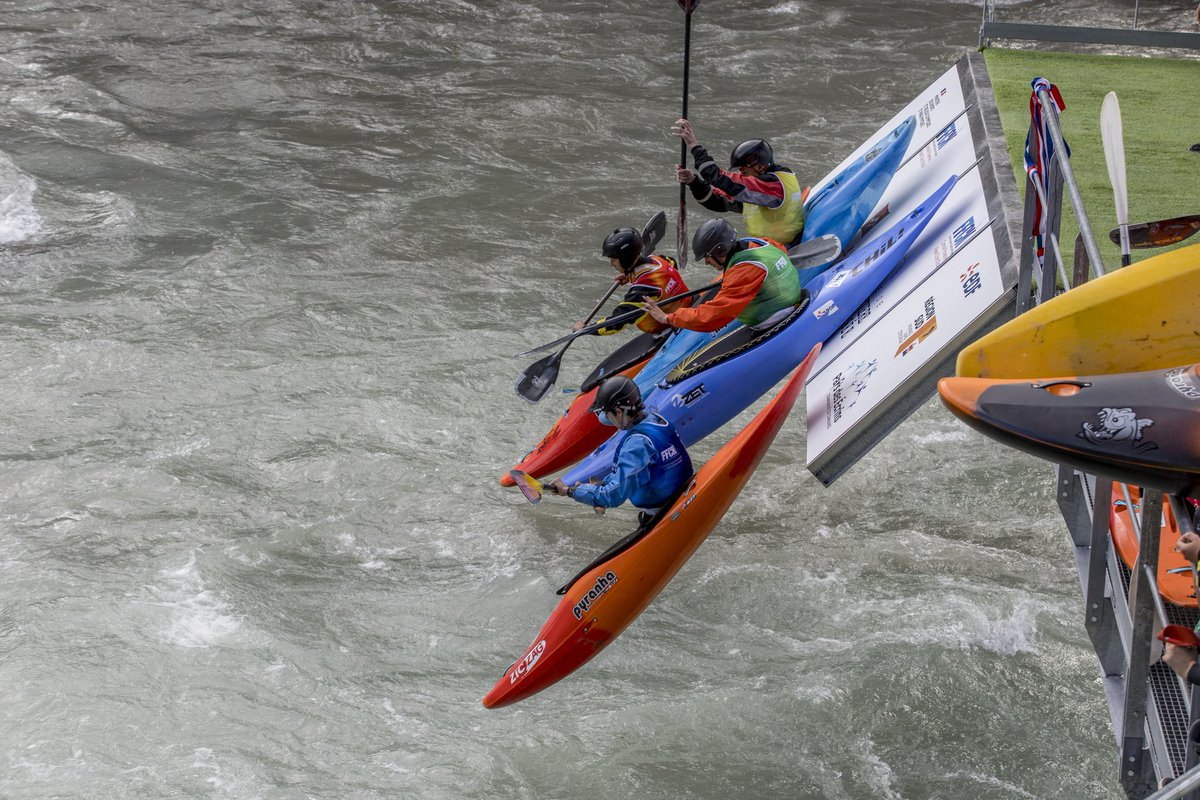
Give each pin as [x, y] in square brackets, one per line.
[759, 285]
[650, 277]
[766, 194]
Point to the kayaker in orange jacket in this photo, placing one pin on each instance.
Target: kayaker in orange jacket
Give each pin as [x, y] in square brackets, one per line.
[759, 284]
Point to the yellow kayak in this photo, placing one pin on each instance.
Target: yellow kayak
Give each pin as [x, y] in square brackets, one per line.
[1141, 317]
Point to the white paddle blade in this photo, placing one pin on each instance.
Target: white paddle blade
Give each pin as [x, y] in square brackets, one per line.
[1114, 154]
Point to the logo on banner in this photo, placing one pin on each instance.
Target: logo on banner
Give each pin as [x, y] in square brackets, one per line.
[918, 330]
[970, 280]
[848, 387]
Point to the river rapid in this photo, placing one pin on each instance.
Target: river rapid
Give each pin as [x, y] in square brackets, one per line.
[263, 266]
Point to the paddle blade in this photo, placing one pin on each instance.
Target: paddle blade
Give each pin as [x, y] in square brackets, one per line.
[539, 378]
[653, 233]
[1112, 133]
[529, 486]
[688, 5]
[815, 252]
[1113, 136]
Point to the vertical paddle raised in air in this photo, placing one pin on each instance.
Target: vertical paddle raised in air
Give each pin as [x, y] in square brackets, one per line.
[681, 241]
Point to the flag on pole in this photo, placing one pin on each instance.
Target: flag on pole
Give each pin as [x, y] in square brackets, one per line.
[1039, 154]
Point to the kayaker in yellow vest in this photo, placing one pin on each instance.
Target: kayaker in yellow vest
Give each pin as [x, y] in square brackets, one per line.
[759, 287]
[766, 194]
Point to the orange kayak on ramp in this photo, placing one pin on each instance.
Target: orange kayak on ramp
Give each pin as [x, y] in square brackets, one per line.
[607, 596]
[1175, 582]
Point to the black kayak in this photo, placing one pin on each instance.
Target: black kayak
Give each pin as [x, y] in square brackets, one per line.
[1141, 428]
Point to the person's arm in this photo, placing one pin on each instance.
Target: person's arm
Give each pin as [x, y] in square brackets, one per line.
[738, 288]
[765, 190]
[1182, 661]
[618, 485]
[704, 193]
[634, 300]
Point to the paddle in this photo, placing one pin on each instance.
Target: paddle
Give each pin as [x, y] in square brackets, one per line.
[540, 376]
[530, 486]
[533, 489]
[681, 242]
[1114, 156]
[614, 320]
[814, 252]
[1159, 233]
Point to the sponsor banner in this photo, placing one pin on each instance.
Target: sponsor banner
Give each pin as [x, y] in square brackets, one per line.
[884, 361]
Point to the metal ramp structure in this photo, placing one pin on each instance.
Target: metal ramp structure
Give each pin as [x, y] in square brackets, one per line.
[1152, 709]
[1133, 36]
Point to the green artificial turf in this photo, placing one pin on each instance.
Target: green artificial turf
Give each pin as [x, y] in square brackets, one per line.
[1160, 110]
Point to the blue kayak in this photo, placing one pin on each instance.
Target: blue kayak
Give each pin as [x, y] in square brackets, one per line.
[840, 207]
[845, 202]
[715, 384]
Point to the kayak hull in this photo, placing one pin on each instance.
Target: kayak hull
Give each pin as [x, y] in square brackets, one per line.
[699, 404]
[604, 600]
[1141, 428]
[844, 203]
[577, 432]
[1140, 317]
[1175, 581]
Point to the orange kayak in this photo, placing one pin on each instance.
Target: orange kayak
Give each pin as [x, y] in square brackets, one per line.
[607, 596]
[1175, 581]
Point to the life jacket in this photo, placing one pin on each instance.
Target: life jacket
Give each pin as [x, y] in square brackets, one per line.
[783, 224]
[662, 274]
[658, 273]
[781, 287]
[670, 467]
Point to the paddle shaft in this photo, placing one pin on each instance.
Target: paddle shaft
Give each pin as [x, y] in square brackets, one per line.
[616, 320]
[681, 224]
[603, 300]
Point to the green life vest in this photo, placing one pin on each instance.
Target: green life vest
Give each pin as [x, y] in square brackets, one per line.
[783, 224]
[781, 287]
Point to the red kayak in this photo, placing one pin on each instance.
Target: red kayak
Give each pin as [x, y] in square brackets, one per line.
[578, 432]
[611, 592]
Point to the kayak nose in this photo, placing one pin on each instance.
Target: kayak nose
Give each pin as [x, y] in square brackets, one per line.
[961, 395]
[507, 480]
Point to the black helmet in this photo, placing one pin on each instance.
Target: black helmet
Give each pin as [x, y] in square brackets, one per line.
[617, 392]
[751, 152]
[625, 245]
[714, 238]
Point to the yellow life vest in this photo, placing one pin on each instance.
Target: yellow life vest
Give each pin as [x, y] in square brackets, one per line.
[783, 224]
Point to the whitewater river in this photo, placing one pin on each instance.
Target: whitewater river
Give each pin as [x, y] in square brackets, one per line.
[263, 266]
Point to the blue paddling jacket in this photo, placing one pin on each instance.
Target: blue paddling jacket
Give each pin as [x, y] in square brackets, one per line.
[650, 466]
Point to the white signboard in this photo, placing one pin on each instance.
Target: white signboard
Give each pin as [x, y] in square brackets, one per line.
[956, 279]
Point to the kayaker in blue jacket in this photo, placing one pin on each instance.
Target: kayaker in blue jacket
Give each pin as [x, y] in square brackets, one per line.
[650, 464]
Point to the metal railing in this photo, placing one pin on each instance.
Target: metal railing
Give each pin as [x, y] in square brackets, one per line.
[1152, 709]
[1132, 36]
